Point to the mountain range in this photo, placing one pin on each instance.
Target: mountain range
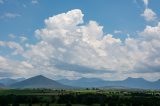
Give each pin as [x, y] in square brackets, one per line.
[44, 82]
[127, 83]
[39, 82]
[1, 85]
[9, 81]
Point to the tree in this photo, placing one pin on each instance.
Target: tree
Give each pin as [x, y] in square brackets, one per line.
[30, 104]
[15, 104]
[68, 104]
[102, 104]
[47, 104]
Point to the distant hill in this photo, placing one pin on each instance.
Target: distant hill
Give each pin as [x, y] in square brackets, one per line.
[43, 82]
[2, 86]
[39, 82]
[20, 79]
[156, 84]
[139, 83]
[9, 81]
[84, 82]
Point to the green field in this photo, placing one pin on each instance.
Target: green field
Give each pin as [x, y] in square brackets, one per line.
[81, 97]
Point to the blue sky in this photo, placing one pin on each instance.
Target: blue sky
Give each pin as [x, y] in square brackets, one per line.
[124, 22]
[112, 14]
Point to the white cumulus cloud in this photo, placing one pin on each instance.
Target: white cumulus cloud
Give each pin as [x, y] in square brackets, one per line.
[10, 15]
[152, 32]
[18, 49]
[146, 2]
[1, 1]
[34, 1]
[70, 48]
[67, 39]
[23, 39]
[149, 15]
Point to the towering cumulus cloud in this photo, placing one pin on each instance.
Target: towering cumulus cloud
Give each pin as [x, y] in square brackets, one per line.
[67, 42]
[70, 48]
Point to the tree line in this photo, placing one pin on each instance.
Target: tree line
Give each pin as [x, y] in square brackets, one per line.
[81, 98]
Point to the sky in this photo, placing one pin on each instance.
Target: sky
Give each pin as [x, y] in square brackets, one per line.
[70, 39]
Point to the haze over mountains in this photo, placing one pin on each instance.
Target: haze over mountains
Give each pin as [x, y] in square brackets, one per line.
[44, 82]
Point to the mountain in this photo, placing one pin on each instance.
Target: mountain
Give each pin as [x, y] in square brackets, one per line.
[39, 82]
[156, 84]
[43, 82]
[20, 79]
[84, 82]
[136, 83]
[2, 86]
[139, 83]
[9, 81]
